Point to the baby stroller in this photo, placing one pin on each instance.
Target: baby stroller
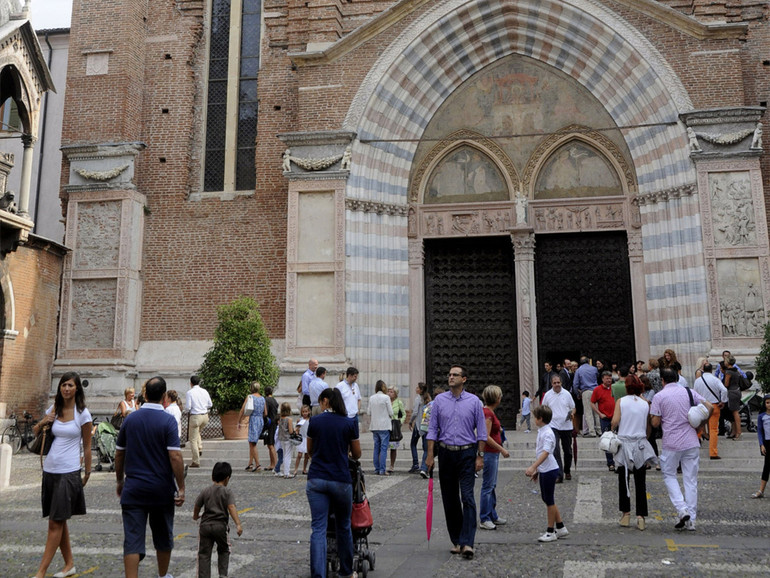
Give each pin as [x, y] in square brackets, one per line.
[361, 525]
[750, 401]
[105, 439]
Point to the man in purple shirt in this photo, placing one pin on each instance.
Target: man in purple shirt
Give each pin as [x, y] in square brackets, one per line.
[680, 444]
[458, 428]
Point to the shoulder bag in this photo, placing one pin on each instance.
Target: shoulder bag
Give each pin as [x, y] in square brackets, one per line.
[117, 418]
[249, 409]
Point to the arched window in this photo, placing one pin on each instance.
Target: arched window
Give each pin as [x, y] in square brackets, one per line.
[577, 169]
[231, 101]
[465, 175]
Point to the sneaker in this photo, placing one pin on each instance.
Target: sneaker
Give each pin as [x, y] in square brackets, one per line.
[500, 522]
[548, 537]
[488, 525]
[414, 469]
[526, 431]
[424, 474]
[684, 517]
[689, 525]
[562, 532]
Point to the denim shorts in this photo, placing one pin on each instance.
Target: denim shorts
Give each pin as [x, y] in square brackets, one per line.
[135, 528]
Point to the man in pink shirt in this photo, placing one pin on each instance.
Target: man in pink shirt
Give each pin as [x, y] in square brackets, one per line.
[680, 445]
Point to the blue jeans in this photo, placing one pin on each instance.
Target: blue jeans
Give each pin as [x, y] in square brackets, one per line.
[326, 496]
[457, 476]
[424, 437]
[280, 460]
[380, 457]
[488, 497]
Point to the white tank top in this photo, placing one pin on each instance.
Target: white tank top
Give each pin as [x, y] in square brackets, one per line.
[633, 416]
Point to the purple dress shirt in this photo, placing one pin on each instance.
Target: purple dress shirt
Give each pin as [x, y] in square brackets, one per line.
[457, 421]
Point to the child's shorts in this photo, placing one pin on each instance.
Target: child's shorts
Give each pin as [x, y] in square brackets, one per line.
[547, 485]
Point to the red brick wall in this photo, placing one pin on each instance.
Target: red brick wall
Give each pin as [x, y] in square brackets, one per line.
[25, 363]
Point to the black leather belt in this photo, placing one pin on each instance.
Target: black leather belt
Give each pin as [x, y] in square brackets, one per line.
[456, 448]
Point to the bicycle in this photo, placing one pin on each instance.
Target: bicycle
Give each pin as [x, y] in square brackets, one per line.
[19, 434]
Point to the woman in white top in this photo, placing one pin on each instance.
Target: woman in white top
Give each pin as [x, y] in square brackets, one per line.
[381, 412]
[174, 407]
[62, 490]
[631, 422]
[128, 404]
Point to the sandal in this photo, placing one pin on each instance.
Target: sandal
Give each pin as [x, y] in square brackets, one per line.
[455, 549]
[758, 495]
[611, 468]
[249, 468]
[257, 468]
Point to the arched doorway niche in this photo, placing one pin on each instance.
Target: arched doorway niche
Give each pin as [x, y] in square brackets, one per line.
[576, 180]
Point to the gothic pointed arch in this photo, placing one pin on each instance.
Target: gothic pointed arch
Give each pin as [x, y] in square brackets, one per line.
[577, 161]
[489, 175]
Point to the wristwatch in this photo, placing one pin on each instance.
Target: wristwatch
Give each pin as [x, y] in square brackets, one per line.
[480, 454]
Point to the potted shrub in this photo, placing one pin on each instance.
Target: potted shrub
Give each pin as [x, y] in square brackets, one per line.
[240, 354]
[762, 362]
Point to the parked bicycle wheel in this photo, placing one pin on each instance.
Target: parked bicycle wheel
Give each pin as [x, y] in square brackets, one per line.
[12, 436]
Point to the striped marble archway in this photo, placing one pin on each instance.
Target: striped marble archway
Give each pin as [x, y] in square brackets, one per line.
[425, 64]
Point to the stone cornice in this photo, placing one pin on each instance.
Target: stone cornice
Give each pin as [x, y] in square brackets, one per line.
[393, 15]
[102, 150]
[666, 195]
[373, 207]
[686, 24]
[750, 114]
[321, 137]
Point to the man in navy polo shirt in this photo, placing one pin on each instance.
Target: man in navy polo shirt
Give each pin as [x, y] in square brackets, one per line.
[149, 455]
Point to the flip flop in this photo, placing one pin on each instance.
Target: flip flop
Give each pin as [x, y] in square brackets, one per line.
[257, 469]
[249, 468]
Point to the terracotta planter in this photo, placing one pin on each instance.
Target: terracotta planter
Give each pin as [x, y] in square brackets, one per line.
[230, 426]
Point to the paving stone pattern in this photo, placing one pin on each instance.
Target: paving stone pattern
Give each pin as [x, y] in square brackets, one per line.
[732, 529]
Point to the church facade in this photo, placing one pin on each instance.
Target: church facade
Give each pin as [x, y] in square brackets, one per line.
[406, 185]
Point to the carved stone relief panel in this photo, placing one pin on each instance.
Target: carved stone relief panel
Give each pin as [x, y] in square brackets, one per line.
[98, 235]
[741, 304]
[92, 314]
[466, 222]
[732, 209]
[563, 217]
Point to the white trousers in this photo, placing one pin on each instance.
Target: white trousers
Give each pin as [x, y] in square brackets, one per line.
[690, 460]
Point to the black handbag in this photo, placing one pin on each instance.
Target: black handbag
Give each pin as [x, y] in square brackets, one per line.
[41, 445]
[395, 430]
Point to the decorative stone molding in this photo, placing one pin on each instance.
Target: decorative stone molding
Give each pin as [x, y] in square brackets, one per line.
[361, 206]
[106, 166]
[101, 175]
[312, 153]
[666, 195]
[588, 136]
[457, 139]
[724, 130]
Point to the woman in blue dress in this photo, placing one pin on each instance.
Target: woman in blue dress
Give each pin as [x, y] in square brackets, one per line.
[256, 423]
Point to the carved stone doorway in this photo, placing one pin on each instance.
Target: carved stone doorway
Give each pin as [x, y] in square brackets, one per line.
[584, 300]
[470, 315]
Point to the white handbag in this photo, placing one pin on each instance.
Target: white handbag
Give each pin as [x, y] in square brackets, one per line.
[609, 442]
[249, 409]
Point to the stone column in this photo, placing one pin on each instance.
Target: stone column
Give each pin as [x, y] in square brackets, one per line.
[416, 312]
[526, 317]
[26, 174]
[638, 296]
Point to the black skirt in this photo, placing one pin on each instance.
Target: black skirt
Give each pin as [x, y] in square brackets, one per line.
[62, 496]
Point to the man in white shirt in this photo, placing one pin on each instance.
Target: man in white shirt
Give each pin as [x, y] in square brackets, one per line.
[198, 404]
[351, 395]
[307, 377]
[714, 392]
[562, 406]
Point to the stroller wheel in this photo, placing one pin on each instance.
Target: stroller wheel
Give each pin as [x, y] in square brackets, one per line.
[364, 570]
[98, 467]
[371, 560]
[112, 467]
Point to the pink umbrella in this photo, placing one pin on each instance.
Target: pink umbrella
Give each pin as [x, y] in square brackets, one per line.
[429, 507]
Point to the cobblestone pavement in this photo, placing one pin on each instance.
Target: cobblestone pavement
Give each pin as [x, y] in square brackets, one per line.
[731, 537]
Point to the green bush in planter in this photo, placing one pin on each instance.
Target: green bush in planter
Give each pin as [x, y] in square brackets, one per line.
[763, 362]
[240, 355]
